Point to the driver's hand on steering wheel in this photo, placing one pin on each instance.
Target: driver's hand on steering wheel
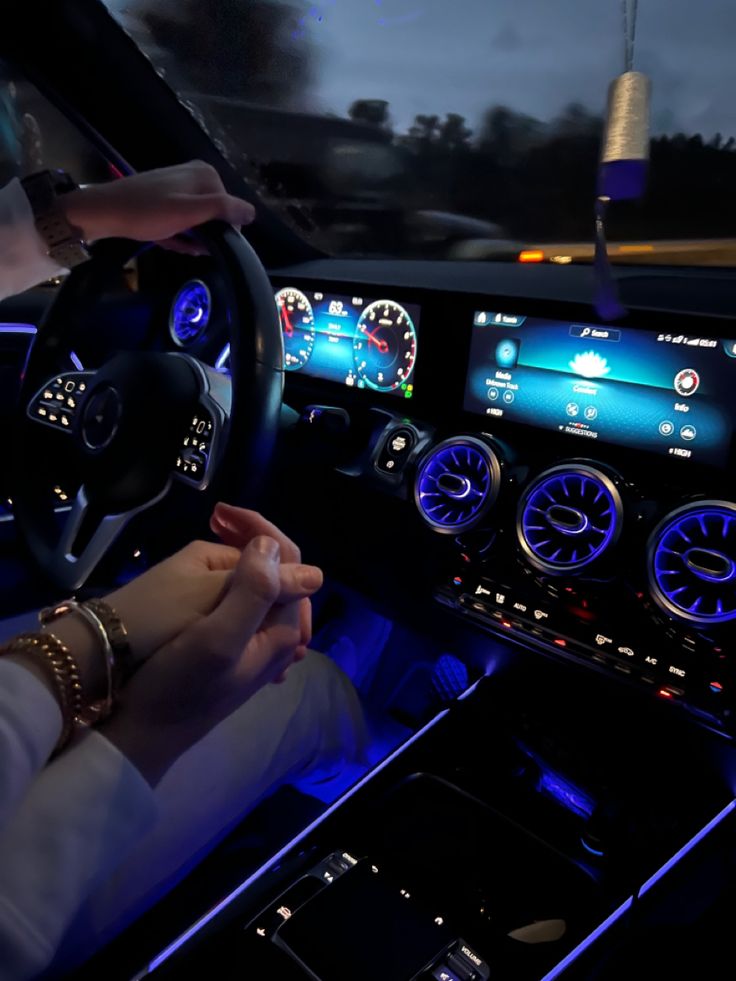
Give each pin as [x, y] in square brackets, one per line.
[212, 666]
[155, 206]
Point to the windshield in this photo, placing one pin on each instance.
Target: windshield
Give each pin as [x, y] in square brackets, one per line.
[469, 130]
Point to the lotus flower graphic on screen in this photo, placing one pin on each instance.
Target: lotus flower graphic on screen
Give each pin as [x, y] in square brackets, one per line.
[590, 365]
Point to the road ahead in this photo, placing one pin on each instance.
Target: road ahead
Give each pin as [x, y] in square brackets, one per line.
[677, 252]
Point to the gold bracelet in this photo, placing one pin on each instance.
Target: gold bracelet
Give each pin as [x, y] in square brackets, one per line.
[98, 709]
[63, 671]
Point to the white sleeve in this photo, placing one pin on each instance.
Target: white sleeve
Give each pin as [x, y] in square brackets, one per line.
[23, 259]
[30, 725]
[75, 825]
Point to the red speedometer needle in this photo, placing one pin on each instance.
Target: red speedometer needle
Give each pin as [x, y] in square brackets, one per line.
[372, 339]
[288, 329]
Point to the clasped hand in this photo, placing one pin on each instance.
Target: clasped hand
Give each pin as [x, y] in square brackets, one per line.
[209, 627]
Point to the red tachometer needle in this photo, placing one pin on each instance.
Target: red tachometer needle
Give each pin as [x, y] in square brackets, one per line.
[372, 339]
[288, 329]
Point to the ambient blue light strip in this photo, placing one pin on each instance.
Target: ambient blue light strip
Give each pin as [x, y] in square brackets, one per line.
[204, 920]
[687, 847]
[590, 939]
[669, 864]
[17, 329]
[12, 328]
[222, 358]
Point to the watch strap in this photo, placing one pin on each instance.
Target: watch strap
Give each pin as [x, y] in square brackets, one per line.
[64, 242]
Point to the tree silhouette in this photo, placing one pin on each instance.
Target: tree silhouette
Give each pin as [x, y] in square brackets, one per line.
[507, 135]
[453, 133]
[372, 111]
[425, 129]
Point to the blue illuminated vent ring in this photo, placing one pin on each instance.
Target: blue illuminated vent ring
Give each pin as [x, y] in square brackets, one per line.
[190, 313]
[568, 517]
[692, 562]
[457, 483]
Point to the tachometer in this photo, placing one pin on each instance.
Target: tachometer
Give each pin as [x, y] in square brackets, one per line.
[385, 346]
[297, 326]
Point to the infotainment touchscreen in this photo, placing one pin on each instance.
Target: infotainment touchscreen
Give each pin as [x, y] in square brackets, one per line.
[668, 393]
[358, 341]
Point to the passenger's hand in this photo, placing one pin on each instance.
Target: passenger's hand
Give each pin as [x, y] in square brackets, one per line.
[212, 667]
[155, 206]
[236, 527]
[182, 589]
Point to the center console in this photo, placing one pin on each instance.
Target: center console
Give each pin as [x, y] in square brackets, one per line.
[486, 848]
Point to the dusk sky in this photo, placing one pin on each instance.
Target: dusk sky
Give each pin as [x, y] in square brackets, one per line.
[438, 56]
[534, 55]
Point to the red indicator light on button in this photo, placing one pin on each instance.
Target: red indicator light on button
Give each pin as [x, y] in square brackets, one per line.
[531, 255]
[560, 641]
[716, 687]
[582, 614]
[663, 693]
[505, 623]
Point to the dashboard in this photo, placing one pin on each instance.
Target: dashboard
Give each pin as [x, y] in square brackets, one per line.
[559, 481]
[356, 341]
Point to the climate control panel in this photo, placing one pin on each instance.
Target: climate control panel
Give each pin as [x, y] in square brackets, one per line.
[576, 564]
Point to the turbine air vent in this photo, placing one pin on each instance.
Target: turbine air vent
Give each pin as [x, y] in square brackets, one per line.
[457, 483]
[692, 562]
[568, 517]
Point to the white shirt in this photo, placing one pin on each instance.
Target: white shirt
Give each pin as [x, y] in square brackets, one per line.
[65, 826]
[23, 258]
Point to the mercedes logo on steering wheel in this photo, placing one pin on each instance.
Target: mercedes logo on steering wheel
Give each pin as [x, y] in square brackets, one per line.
[101, 418]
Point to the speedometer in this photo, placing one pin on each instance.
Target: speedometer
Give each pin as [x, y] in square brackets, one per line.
[297, 326]
[385, 346]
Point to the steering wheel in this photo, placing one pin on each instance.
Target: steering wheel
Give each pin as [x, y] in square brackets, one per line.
[145, 422]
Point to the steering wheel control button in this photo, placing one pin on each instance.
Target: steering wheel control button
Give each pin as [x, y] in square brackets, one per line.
[101, 418]
[196, 447]
[396, 450]
[57, 402]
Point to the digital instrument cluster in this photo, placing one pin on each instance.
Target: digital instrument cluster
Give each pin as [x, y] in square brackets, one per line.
[354, 340]
[665, 393]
